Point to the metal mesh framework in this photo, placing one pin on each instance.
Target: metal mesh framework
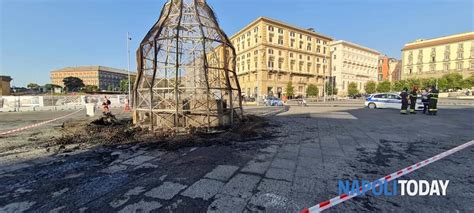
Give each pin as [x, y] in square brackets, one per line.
[186, 71]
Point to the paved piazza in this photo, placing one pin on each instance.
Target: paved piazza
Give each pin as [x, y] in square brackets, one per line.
[295, 165]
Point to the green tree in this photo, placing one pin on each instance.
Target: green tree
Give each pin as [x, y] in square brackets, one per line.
[290, 90]
[312, 90]
[413, 82]
[352, 89]
[124, 84]
[453, 81]
[91, 88]
[49, 87]
[427, 82]
[468, 83]
[399, 85]
[330, 90]
[384, 86]
[110, 87]
[370, 87]
[73, 84]
[442, 84]
[33, 86]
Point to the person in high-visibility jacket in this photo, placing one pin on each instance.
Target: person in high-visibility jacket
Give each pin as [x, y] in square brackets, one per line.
[433, 104]
[404, 96]
[413, 95]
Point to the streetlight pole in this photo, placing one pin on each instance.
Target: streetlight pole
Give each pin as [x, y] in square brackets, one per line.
[128, 63]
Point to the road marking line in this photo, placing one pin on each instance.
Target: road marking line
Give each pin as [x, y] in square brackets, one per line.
[341, 198]
[37, 124]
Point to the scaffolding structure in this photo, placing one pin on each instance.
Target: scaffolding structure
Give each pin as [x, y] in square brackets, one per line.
[186, 72]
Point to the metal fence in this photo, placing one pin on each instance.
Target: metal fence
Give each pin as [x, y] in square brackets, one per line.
[39, 103]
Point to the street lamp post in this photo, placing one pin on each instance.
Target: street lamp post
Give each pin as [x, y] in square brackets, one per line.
[128, 63]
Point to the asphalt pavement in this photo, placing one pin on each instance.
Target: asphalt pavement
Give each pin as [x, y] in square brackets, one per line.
[297, 164]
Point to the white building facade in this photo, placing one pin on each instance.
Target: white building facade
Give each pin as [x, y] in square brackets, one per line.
[352, 63]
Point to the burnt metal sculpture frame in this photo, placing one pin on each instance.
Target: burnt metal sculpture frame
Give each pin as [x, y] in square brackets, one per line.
[186, 72]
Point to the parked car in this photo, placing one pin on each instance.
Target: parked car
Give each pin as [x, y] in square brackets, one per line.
[388, 100]
[272, 101]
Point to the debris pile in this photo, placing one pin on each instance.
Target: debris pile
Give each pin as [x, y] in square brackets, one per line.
[110, 131]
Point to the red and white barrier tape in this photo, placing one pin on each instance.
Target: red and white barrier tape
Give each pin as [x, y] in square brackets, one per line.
[37, 124]
[341, 198]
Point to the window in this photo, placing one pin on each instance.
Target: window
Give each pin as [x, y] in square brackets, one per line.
[270, 38]
[459, 66]
[279, 52]
[392, 96]
[280, 31]
[280, 40]
[291, 55]
[270, 28]
[270, 51]
[318, 49]
[324, 50]
[308, 47]
[292, 34]
[308, 38]
[255, 30]
[379, 96]
[270, 62]
[301, 45]
[334, 56]
[343, 84]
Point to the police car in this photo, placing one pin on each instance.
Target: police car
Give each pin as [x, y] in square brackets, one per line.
[389, 100]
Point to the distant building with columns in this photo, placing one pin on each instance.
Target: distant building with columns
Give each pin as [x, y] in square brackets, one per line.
[432, 58]
[102, 77]
[353, 63]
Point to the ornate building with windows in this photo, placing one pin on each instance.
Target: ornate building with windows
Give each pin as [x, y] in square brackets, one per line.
[105, 78]
[439, 56]
[271, 53]
[389, 69]
[352, 63]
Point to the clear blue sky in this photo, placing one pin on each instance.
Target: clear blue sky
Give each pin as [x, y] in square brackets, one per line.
[38, 36]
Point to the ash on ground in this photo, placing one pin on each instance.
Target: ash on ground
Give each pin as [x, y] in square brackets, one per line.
[110, 131]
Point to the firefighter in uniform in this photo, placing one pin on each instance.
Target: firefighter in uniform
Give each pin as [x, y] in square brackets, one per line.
[433, 98]
[413, 95]
[404, 96]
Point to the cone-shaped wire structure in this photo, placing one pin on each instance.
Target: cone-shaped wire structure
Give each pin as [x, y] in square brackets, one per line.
[186, 72]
